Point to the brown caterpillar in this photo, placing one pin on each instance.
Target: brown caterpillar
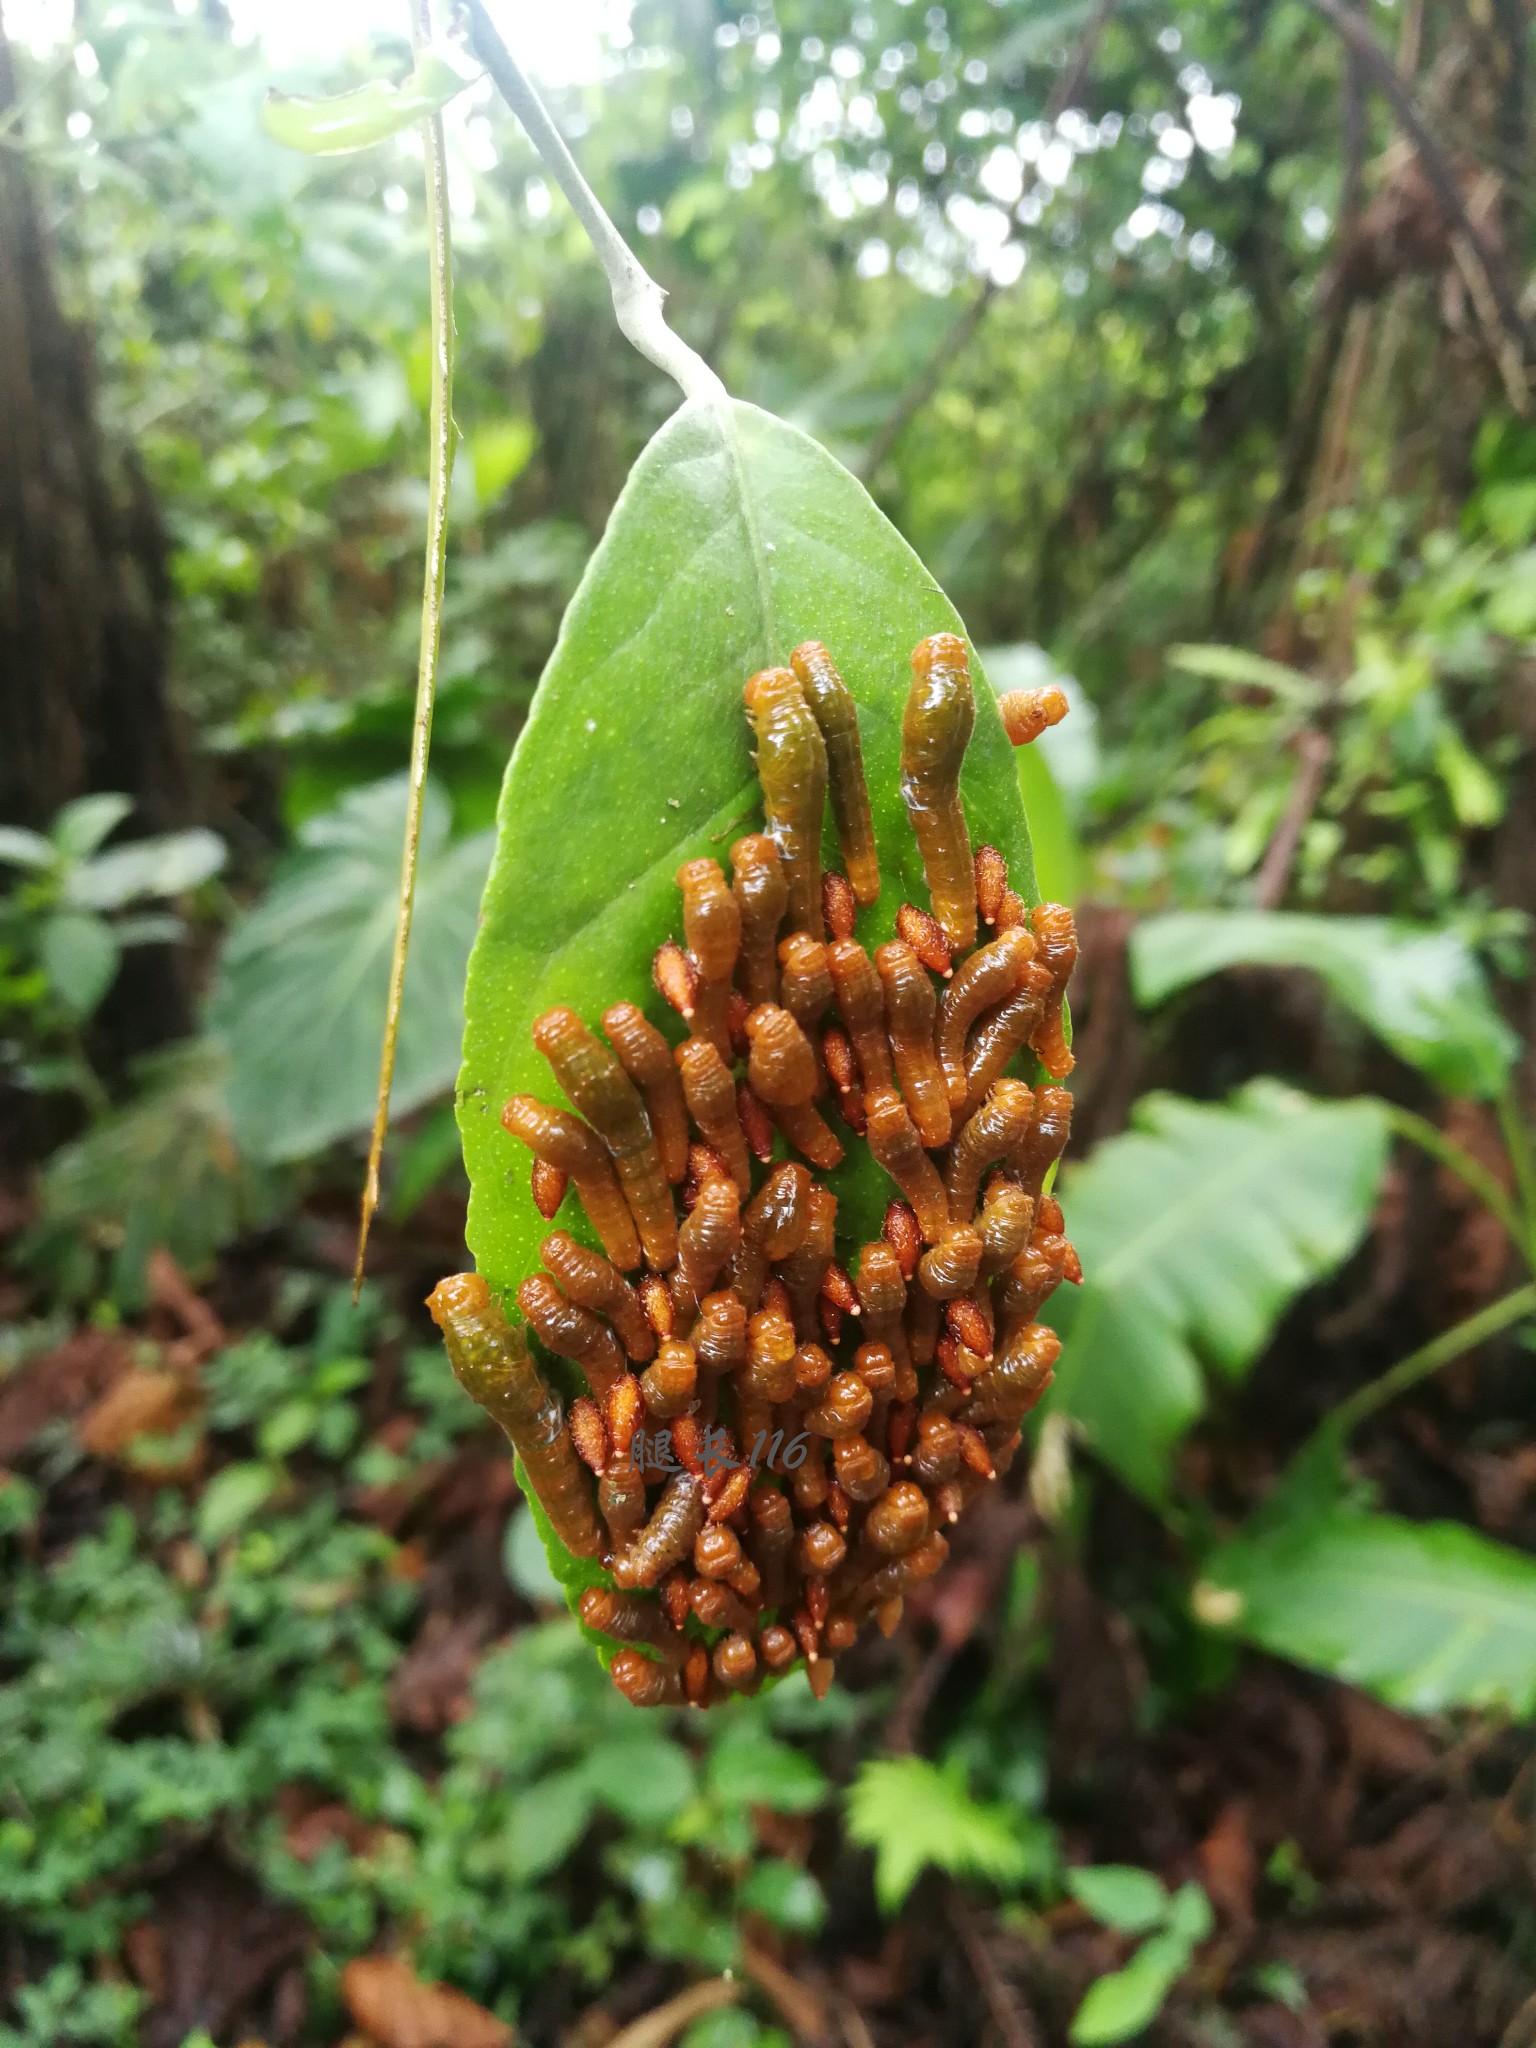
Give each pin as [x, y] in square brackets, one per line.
[572, 1332]
[595, 1283]
[833, 709]
[911, 1010]
[1057, 937]
[762, 897]
[941, 711]
[992, 972]
[647, 1059]
[792, 768]
[603, 1093]
[782, 1069]
[861, 1000]
[564, 1141]
[667, 1537]
[712, 929]
[711, 1097]
[492, 1363]
[896, 1146]
[630, 1620]
[1027, 713]
[995, 1132]
[1002, 1032]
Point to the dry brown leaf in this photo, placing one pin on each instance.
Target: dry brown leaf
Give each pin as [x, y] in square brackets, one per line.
[141, 1403]
[390, 2002]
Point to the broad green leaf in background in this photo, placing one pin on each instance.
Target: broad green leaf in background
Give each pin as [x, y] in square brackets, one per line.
[84, 823]
[163, 1170]
[23, 849]
[1427, 1615]
[735, 538]
[163, 866]
[299, 1001]
[1195, 1229]
[913, 1813]
[1122, 1895]
[336, 123]
[1419, 989]
[1236, 666]
[79, 954]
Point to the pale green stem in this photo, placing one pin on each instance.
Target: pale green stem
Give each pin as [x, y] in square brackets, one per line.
[440, 469]
[1468, 1170]
[1429, 1358]
[637, 297]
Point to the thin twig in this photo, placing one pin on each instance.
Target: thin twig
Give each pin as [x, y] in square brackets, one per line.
[637, 297]
[1428, 1359]
[1316, 751]
[439, 471]
[1356, 32]
[656, 2029]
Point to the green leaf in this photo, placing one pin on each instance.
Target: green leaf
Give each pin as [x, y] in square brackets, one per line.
[547, 1820]
[1189, 1914]
[1195, 1229]
[1420, 989]
[526, 1565]
[339, 122]
[785, 1895]
[163, 1170]
[751, 1769]
[1131, 1901]
[1125, 2003]
[23, 849]
[1235, 665]
[299, 1002]
[735, 538]
[499, 452]
[642, 1779]
[81, 826]
[1427, 1615]
[230, 1499]
[79, 954]
[913, 1813]
[163, 866]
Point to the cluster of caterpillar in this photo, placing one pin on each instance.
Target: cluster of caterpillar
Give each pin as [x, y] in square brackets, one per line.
[812, 1430]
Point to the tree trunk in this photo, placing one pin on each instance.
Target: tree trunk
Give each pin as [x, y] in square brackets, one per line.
[84, 592]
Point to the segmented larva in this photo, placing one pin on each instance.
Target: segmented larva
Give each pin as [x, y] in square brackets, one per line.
[628, 1619]
[644, 1682]
[992, 972]
[762, 897]
[492, 1362]
[806, 980]
[1057, 937]
[911, 1010]
[1018, 1377]
[711, 1097]
[935, 732]
[773, 1226]
[667, 1537]
[861, 1001]
[572, 1332]
[896, 1146]
[1027, 713]
[1007, 1217]
[792, 769]
[805, 1268]
[781, 1067]
[564, 1141]
[603, 1093]
[1045, 1140]
[882, 1295]
[1002, 1032]
[712, 930]
[995, 1132]
[710, 1233]
[832, 707]
[668, 1382]
[595, 1283]
[953, 1264]
[647, 1059]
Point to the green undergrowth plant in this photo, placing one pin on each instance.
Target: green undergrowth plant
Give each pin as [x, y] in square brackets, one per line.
[214, 1663]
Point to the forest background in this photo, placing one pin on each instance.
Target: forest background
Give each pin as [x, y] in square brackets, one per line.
[1190, 346]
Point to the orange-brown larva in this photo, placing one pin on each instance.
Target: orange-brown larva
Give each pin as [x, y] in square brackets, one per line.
[1028, 713]
[862, 1003]
[991, 882]
[565, 1142]
[675, 977]
[548, 1185]
[719, 1336]
[1057, 937]
[491, 1360]
[590, 1438]
[1019, 1375]
[711, 1097]
[952, 1266]
[911, 1010]
[941, 711]
[927, 938]
[1001, 1032]
[843, 1072]
[901, 1233]
[595, 1283]
[603, 1093]
[644, 1682]
[995, 1132]
[647, 1059]
[792, 769]
[762, 897]
[894, 1142]
[756, 1122]
[573, 1332]
[991, 973]
[709, 1235]
[628, 1618]
[1045, 1140]
[781, 1067]
[832, 707]
[712, 930]
[667, 1537]
[668, 1382]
